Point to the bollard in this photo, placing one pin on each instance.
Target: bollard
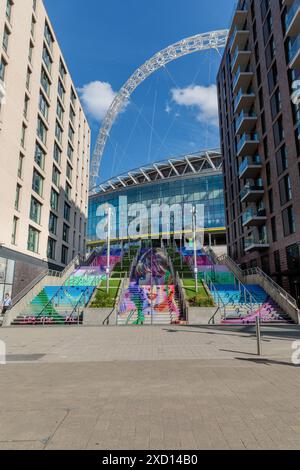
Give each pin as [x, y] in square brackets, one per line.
[258, 336]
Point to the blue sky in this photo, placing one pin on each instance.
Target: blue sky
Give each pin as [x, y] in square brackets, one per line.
[171, 113]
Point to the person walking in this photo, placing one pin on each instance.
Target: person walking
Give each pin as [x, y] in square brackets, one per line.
[6, 303]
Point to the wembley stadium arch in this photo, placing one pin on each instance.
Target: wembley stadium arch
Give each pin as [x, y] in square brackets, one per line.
[200, 42]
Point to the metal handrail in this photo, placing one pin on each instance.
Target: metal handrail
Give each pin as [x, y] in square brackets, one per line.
[260, 272]
[274, 285]
[117, 302]
[28, 288]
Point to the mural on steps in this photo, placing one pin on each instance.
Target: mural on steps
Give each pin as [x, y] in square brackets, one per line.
[151, 296]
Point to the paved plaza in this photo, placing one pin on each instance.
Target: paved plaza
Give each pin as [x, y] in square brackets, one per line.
[149, 388]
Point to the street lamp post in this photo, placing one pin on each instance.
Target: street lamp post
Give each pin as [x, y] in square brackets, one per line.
[108, 249]
[195, 248]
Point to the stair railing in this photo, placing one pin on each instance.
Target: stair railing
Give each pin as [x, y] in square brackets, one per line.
[213, 289]
[78, 305]
[273, 285]
[177, 283]
[121, 292]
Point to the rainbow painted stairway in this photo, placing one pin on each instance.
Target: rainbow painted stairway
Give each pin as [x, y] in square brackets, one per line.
[240, 304]
[63, 305]
[151, 296]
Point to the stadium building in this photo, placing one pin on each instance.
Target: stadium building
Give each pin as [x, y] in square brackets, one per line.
[191, 180]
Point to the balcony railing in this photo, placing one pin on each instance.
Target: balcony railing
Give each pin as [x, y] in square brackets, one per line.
[249, 161]
[251, 138]
[294, 48]
[244, 115]
[253, 213]
[249, 188]
[256, 243]
[291, 14]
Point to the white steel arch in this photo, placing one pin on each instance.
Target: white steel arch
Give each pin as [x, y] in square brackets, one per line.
[200, 42]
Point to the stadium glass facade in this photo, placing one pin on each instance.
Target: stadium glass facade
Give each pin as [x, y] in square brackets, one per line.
[197, 185]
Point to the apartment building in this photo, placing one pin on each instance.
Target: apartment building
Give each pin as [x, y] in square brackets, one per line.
[259, 105]
[44, 149]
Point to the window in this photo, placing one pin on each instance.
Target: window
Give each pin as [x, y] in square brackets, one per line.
[285, 190]
[8, 9]
[293, 257]
[17, 198]
[71, 134]
[51, 249]
[35, 211]
[20, 165]
[2, 69]
[69, 172]
[61, 91]
[275, 104]
[66, 233]
[14, 231]
[277, 261]
[272, 78]
[64, 255]
[281, 160]
[25, 110]
[45, 82]
[62, 70]
[73, 98]
[37, 183]
[58, 132]
[55, 176]
[5, 39]
[28, 79]
[68, 191]
[53, 223]
[67, 212]
[41, 130]
[48, 36]
[33, 240]
[57, 154]
[278, 132]
[39, 156]
[23, 136]
[47, 59]
[288, 219]
[70, 152]
[54, 200]
[274, 230]
[44, 107]
[60, 111]
[30, 54]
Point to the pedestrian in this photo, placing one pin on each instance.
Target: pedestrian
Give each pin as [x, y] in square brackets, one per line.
[6, 303]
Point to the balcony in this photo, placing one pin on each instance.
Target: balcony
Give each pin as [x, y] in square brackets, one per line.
[243, 101]
[294, 53]
[238, 19]
[239, 38]
[253, 217]
[245, 122]
[250, 168]
[242, 79]
[247, 145]
[255, 244]
[240, 59]
[252, 193]
[293, 19]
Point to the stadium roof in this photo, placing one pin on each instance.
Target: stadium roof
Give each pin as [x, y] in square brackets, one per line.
[188, 165]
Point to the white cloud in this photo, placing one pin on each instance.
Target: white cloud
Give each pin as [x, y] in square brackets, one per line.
[97, 97]
[168, 108]
[204, 99]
